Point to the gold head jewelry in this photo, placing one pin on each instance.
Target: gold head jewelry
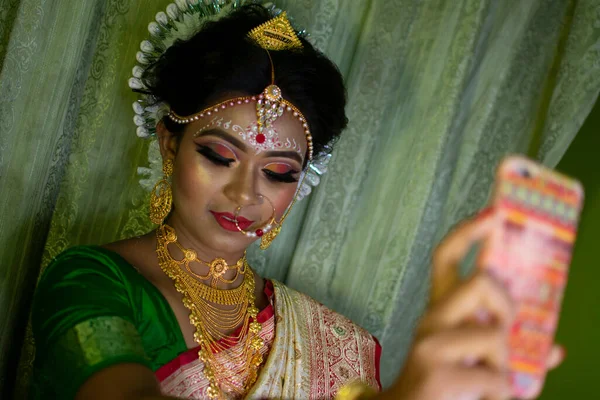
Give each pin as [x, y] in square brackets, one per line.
[276, 34]
[215, 314]
[161, 197]
[264, 115]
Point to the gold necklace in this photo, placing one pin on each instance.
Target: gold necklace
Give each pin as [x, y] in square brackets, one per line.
[217, 267]
[214, 313]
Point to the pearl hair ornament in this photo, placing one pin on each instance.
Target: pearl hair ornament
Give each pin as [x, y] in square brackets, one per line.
[274, 109]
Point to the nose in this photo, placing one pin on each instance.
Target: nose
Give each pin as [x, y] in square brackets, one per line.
[241, 190]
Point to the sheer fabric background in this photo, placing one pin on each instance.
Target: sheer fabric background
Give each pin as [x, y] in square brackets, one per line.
[438, 92]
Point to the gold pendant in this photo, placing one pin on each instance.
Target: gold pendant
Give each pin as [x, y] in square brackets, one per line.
[218, 267]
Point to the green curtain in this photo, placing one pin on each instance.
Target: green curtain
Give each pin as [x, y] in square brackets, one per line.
[579, 327]
[439, 91]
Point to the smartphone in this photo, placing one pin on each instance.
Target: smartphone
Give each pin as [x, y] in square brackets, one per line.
[537, 211]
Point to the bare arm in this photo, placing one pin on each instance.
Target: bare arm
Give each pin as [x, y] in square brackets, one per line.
[122, 382]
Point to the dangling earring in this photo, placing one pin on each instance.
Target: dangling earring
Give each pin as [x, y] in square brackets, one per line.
[161, 198]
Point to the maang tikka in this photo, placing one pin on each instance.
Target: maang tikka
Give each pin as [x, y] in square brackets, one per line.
[276, 34]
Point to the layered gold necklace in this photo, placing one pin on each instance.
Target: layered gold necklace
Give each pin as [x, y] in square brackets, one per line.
[215, 314]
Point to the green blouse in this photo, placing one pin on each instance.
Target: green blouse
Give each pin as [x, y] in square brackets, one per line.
[93, 309]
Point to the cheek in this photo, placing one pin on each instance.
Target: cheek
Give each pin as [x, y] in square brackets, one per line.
[192, 182]
[283, 199]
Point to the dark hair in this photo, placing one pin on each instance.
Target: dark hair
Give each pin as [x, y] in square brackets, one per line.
[221, 60]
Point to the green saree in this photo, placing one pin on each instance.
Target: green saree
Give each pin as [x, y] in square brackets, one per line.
[92, 309]
[88, 309]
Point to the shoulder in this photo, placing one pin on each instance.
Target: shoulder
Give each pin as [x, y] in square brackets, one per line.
[79, 262]
[81, 283]
[84, 271]
[140, 253]
[125, 258]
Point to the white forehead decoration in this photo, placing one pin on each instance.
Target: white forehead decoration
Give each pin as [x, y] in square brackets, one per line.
[266, 140]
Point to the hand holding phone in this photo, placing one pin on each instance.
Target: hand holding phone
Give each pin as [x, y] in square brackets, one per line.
[529, 251]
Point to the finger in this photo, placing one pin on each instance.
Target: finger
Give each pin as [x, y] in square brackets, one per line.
[472, 346]
[480, 293]
[469, 384]
[556, 356]
[445, 274]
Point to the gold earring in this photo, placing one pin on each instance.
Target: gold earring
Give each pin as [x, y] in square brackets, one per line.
[161, 198]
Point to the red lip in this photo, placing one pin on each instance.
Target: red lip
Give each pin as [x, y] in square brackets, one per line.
[230, 225]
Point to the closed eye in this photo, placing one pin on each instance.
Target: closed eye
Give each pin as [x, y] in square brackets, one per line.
[285, 177]
[214, 157]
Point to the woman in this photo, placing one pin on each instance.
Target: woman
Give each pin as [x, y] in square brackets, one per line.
[179, 313]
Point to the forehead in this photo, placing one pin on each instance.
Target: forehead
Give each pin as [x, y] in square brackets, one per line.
[243, 116]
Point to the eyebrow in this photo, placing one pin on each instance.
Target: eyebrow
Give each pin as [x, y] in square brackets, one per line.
[225, 136]
[242, 146]
[288, 154]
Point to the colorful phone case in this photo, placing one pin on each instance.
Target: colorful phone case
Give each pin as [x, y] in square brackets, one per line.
[538, 211]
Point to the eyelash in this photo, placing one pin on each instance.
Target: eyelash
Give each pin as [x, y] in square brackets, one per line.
[285, 178]
[217, 159]
[213, 157]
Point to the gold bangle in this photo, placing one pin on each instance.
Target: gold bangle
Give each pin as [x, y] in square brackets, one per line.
[355, 390]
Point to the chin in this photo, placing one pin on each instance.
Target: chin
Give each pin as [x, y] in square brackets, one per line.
[231, 246]
[219, 239]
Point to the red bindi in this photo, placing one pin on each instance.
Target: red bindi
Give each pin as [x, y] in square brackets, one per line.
[260, 138]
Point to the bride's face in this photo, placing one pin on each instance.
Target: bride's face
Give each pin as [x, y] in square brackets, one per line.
[222, 163]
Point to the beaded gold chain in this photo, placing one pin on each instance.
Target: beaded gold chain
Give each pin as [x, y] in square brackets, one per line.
[214, 313]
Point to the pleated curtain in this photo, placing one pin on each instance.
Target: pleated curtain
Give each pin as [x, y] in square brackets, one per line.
[439, 91]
